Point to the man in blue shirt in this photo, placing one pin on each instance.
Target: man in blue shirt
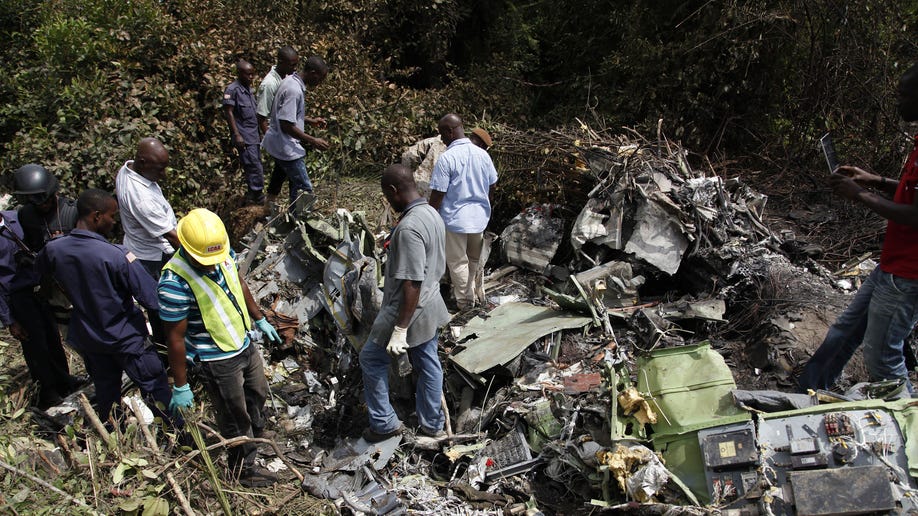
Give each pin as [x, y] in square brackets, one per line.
[460, 189]
[208, 312]
[285, 139]
[43, 215]
[239, 110]
[10, 235]
[102, 280]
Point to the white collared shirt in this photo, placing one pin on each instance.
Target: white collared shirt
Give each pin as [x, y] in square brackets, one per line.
[146, 215]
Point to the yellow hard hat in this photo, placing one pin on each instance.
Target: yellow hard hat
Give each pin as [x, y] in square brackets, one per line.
[203, 236]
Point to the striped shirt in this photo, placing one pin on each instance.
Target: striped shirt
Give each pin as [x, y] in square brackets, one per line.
[177, 302]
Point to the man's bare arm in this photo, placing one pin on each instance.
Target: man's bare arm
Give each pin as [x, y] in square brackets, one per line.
[291, 129]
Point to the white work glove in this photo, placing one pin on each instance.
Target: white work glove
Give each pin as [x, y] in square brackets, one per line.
[398, 343]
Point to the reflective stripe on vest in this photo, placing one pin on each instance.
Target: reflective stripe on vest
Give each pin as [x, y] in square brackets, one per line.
[220, 315]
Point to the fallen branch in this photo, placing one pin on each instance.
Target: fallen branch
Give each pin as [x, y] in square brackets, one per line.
[232, 443]
[237, 441]
[46, 485]
[151, 441]
[435, 443]
[90, 414]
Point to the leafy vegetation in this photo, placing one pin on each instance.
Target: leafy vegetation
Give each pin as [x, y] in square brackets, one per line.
[749, 81]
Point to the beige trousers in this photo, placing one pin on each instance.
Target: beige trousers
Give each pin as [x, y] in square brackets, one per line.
[463, 252]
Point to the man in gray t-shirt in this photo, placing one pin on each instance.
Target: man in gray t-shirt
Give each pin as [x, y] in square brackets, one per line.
[412, 311]
[285, 140]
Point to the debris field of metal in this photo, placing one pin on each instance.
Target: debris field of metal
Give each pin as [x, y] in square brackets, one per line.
[590, 378]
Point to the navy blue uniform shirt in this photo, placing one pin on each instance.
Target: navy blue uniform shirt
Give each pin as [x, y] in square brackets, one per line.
[100, 279]
[243, 103]
[8, 250]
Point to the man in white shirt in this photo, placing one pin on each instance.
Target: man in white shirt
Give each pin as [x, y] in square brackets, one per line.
[460, 189]
[146, 216]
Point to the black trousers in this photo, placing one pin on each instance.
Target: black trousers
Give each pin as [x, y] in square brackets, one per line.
[43, 352]
[238, 390]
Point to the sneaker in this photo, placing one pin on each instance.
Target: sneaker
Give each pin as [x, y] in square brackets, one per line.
[257, 476]
[436, 434]
[374, 437]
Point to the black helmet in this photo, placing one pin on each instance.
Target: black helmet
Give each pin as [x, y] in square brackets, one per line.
[34, 182]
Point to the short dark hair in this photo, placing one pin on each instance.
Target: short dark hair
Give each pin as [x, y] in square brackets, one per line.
[92, 200]
[315, 64]
[286, 52]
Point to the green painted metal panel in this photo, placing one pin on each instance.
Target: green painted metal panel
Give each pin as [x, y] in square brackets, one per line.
[688, 386]
[507, 331]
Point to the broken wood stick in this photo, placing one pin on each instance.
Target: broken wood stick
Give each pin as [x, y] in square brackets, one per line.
[151, 441]
[90, 414]
[46, 485]
[491, 280]
[238, 441]
[435, 443]
[449, 425]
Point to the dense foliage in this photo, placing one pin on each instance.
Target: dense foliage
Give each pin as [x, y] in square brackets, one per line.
[754, 82]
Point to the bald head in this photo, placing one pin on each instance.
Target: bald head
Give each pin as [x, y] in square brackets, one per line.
[151, 159]
[450, 128]
[398, 186]
[399, 176]
[314, 71]
[286, 53]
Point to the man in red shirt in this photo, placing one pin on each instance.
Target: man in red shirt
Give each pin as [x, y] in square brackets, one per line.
[885, 308]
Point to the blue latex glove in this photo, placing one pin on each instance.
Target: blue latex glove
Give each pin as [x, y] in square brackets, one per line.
[265, 327]
[182, 397]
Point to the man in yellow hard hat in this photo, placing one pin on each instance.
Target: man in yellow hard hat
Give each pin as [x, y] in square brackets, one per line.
[208, 312]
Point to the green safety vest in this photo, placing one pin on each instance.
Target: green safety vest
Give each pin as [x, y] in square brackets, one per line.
[220, 313]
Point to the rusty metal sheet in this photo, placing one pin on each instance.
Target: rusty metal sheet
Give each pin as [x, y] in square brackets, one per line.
[580, 383]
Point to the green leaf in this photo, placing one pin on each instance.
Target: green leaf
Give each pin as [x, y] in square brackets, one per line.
[21, 495]
[131, 505]
[149, 473]
[118, 474]
[155, 507]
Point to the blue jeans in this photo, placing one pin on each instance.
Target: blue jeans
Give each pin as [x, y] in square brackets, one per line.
[296, 172]
[375, 361]
[881, 316]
